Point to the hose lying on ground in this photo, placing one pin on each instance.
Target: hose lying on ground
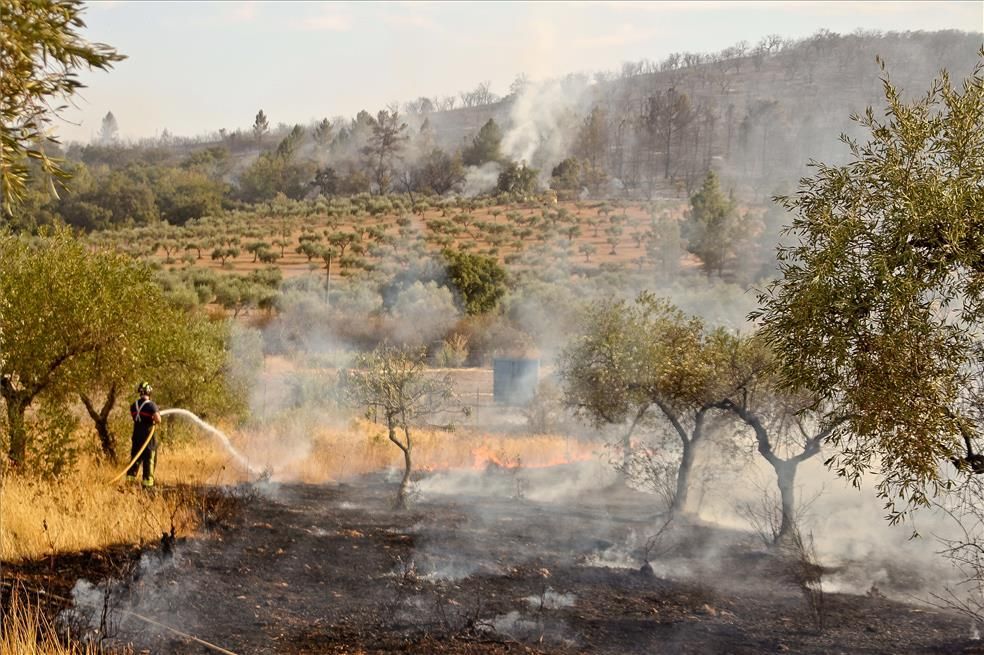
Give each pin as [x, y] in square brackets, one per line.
[217, 649]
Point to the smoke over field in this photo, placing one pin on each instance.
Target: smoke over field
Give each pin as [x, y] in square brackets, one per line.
[606, 363]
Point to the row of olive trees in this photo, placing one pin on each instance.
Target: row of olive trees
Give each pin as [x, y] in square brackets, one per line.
[77, 324]
[642, 365]
[647, 366]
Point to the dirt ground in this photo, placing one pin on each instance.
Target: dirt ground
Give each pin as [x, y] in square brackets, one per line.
[480, 564]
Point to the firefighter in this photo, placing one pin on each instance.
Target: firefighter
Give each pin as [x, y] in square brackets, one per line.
[146, 417]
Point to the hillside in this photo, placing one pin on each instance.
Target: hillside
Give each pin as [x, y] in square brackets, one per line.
[755, 114]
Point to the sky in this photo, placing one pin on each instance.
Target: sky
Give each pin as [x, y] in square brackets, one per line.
[195, 67]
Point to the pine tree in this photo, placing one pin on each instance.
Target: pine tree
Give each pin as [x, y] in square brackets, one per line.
[712, 225]
[110, 130]
[260, 126]
[485, 147]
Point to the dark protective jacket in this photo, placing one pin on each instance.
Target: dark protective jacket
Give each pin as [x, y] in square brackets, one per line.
[142, 412]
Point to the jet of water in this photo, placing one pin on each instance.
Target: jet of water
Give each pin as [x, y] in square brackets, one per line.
[220, 436]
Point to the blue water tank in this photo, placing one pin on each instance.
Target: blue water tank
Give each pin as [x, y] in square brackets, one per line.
[514, 381]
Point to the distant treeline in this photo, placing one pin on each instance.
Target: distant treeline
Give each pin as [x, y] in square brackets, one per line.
[754, 113]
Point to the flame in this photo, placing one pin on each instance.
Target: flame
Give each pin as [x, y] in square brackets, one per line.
[336, 454]
[485, 456]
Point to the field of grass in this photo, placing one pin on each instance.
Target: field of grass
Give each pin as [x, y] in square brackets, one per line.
[27, 631]
[81, 511]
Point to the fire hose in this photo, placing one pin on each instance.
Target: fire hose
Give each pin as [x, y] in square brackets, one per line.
[217, 649]
[135, 457]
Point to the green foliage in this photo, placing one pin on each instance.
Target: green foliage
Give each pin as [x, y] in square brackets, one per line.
[480, 281]
[290, 143]
[236, 294]
[391, 382]
[566, 176]
[54, 449]
[323, 132]
[438, 172]
[102, 198]
[41, 53]
[629, 362]
[628, 357]
[881, 300]
[518, 179]
[326, 181]
[712, 226]
[273, 173]
[261, 125]
[385, 144]
[591, 143]
[663, 246]
[213, 161]
[485, 147]
[63, 309]
[183, 195]
[198, 366]
[224, 253]
[137, 195]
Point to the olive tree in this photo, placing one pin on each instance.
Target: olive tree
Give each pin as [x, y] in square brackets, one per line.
[789, 427]
[880, 306]
[393, 382]
[61, 308]
[646, 362]
[41, 53]
[184, 354]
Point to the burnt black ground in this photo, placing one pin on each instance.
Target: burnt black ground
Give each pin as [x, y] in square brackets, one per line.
[334, 569]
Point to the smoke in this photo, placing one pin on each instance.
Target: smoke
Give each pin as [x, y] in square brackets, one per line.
[543, 120]
[551, 600]
[861, 550]
[120, 610]
[481, 179]
[421, 313]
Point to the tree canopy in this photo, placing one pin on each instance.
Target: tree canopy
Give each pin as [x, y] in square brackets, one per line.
[880, 307]
[391, 381]
[712, 225]
[60, 305]
[631, 363]
[485, 147]
[479, 280]
[41, 53]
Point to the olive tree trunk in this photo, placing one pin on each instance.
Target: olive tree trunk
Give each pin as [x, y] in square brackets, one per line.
[100, 417]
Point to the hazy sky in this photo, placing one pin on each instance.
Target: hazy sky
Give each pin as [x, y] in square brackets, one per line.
[195, 67]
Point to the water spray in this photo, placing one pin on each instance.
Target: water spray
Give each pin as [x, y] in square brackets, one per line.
[221, 437]
[211, 429]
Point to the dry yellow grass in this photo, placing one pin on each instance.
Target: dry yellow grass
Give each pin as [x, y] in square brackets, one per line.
[27, 631]
[304, 450]
[81, 511]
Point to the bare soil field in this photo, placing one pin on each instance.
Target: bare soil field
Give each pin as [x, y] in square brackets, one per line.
[486, 562]
[592, 225]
